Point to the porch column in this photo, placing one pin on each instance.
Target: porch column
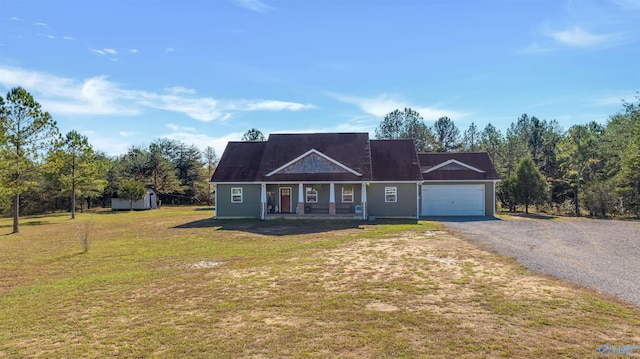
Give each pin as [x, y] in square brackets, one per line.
[300, 207]
[332, 198]
[364, 201]
[263, 201]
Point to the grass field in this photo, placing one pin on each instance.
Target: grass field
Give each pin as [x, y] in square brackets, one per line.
[176, 283]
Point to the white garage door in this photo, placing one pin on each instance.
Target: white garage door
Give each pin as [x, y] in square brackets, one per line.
[453, 200]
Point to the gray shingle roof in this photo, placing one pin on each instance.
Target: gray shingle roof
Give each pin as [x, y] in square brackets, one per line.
[343, 157]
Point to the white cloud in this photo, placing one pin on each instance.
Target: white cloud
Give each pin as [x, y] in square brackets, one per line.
[110, 146]
[67, 38]
[203, 141]
[253, 5]
[127, 133]
[628, 4]
[615, 98]
[202, 109]
[383, 104]
[92, 96]
[176, 90]
[271, 105]
[15, 18]
[177, 128]
[577, 37]
[104, 51]
[534, 48]
[41, 24]
[99, 96]
[51, 37]
[169, 50]
[133, 51]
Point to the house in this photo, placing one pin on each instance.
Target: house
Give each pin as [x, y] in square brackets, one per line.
[348, 175]
[147, 202]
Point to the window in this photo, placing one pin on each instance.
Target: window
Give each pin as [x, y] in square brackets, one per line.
[236, 195]
[391, 194]
[311, 195]
[347, 194]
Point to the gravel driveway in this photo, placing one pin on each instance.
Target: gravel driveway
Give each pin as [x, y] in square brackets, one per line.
[600, 254]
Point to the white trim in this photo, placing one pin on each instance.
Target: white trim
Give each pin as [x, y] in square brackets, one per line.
[493, 210]
[304, 182]
[450, 162]
[306, 193]
[300, 193]
[363, 200]
[263, 200]
[393, 182]
[215, 199]
[395, 194]
[241, 194]
[236, 183]
[418, 200]
[353, 192]
[460, 181]
[295, 182]
[317, 153]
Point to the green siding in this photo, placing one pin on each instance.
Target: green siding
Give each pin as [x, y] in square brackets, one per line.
[406, 206]
[250, 206]
[489, 195]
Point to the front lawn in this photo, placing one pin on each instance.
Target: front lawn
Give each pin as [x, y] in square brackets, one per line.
[175, 283]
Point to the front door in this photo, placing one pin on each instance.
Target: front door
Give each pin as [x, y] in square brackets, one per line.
[285, 200]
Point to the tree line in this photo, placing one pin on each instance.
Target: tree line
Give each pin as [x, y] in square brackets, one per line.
[43, 170]
[593, 166]
[590, 166]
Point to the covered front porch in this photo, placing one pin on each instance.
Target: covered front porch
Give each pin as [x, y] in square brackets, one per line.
[318, 216]
[324, 200]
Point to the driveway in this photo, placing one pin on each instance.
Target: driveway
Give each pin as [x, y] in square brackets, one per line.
[600, 254]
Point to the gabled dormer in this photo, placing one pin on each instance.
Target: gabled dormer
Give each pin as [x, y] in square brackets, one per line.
[452, 165]
[313, 162]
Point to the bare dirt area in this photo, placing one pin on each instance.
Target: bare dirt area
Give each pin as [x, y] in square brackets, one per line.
[599, 254]
[440, 277]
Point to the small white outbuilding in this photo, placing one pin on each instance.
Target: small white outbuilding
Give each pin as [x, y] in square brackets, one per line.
[149, 201]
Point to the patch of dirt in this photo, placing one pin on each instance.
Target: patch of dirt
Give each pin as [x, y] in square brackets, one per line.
[206, 264]
[382, 307]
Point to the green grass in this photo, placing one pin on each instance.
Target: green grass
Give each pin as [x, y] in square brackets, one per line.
[176, 283]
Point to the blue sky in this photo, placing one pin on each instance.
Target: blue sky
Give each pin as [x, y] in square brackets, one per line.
[204, 72]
